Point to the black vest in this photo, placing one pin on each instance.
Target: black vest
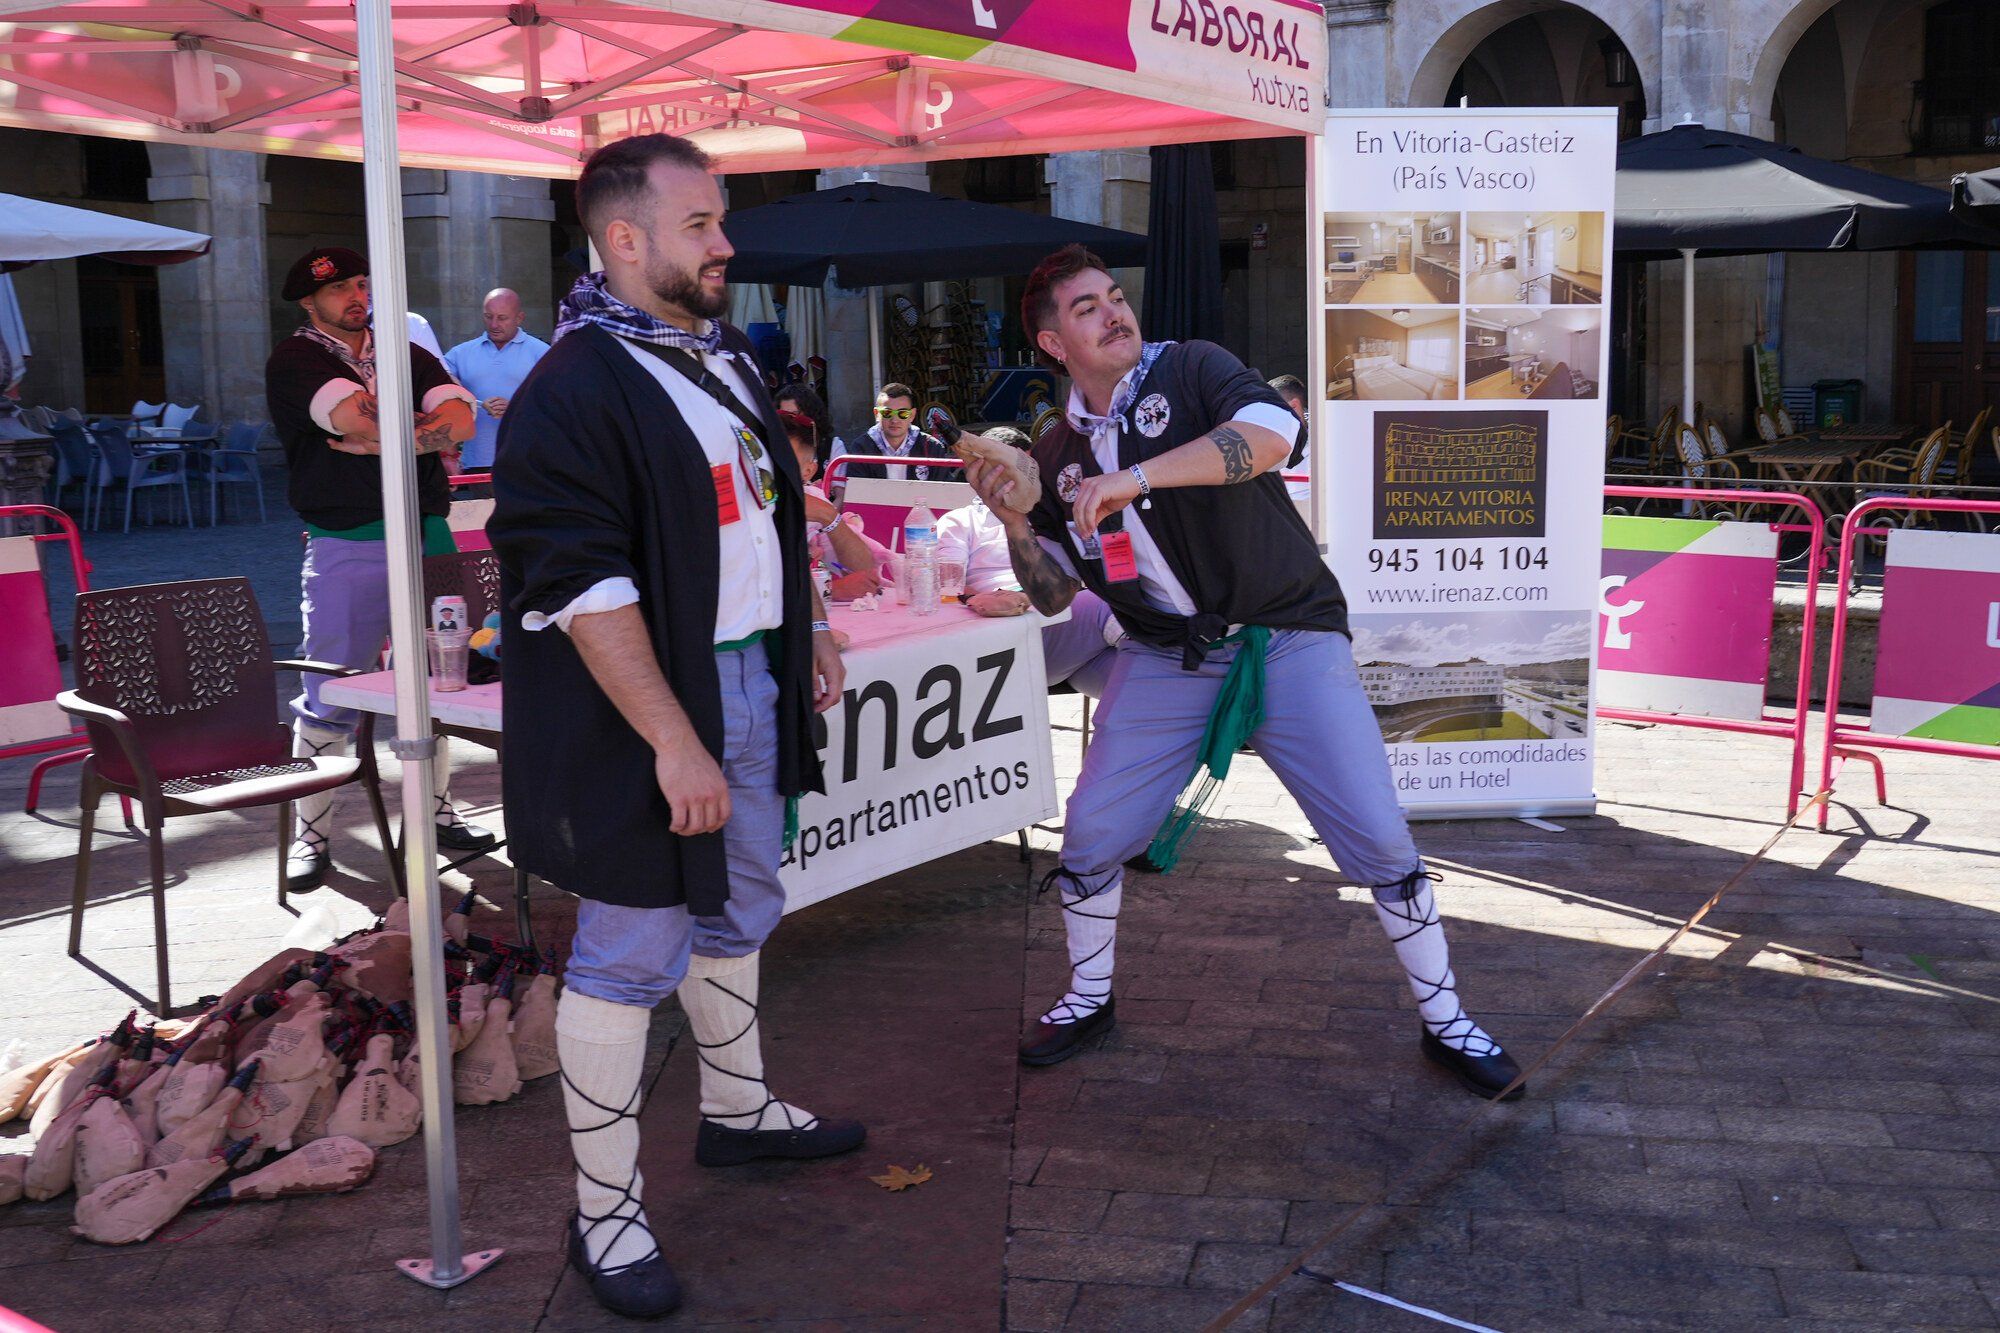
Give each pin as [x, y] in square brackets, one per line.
[1242, 552]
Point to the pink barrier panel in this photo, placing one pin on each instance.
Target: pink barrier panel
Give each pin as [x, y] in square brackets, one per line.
[1731, 678]
[883, 523]
[30, 675]
[468, 517]
[1937, 676]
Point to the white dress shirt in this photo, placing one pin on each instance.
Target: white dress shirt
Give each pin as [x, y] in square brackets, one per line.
[1156, 577]
[973, 536]
[750, 592]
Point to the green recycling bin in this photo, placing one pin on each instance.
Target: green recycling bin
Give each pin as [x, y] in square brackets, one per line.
[1836, 403]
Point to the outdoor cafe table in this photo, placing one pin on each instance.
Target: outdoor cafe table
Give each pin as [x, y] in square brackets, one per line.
[1810, 464]
[1872, 434]
[941, 742]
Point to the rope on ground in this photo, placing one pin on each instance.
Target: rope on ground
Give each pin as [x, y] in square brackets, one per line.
[1450, 1137]
[1432, 1315]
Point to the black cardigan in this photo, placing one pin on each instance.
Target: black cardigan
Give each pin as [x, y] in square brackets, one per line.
[596, 476]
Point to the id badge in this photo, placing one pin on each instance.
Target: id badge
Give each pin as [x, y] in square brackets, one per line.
[726, 510]
[1119, 564]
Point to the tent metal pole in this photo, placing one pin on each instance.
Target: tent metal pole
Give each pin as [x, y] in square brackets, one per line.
[447, 1265]
[1315, 313]
[874, 341]
[1687, 336]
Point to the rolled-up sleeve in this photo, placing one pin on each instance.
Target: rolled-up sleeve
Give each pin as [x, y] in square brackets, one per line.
[604, 595]
[563, 503]
[329, 396]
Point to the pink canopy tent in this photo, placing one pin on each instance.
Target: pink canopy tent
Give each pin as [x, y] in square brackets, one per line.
[533, 88]
[762, 84]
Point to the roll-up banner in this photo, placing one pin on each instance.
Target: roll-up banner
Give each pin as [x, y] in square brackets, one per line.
[1467, 256]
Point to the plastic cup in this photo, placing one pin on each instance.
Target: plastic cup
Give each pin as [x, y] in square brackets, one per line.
[449, 651]
[951, 580]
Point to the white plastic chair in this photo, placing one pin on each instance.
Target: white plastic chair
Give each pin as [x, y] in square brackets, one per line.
[176, 417]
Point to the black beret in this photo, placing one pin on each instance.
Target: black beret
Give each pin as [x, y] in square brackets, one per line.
[316, 268]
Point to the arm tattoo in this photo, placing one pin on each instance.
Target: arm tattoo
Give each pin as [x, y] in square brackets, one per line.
[1238, 461]
[1041, 578]
[368, 410]
[432, 436]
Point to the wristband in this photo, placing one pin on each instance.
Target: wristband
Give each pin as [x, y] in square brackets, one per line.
[820, 626]
[1145, 487]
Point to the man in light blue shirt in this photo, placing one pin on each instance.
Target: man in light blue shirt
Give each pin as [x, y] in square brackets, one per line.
[493, 366]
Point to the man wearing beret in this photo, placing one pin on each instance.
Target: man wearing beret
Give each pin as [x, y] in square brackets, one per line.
[320, 386]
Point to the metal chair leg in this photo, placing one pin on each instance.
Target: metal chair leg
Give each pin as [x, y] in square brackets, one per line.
[158, 847]
[524, 928]
[79, 896]
[1022, 834]
[284, 853]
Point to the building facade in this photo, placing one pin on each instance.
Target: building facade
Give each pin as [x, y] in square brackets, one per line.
[1899, 86]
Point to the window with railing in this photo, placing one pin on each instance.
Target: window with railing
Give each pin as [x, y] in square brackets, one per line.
[1960, 93]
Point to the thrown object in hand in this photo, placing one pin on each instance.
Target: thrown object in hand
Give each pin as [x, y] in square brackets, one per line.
[1018, 464]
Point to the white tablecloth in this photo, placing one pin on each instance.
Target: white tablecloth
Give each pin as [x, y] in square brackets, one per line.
[942, 742]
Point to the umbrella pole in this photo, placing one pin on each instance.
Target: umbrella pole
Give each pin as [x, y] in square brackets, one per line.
[874, 341]
[447, 1265]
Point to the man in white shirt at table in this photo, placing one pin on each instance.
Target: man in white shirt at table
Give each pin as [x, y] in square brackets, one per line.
[1079, 651]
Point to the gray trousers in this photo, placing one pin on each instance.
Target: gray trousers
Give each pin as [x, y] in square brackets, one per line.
[344, 602]
[639, 955]
[1319, 736]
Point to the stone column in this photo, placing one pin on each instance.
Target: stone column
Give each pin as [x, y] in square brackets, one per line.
[1357, 71]
[1110, 187]
[467, 232]
[849, 388]
[215, 311]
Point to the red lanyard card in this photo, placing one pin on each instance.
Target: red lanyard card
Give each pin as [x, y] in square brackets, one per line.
[1119, 564]
[726, 510]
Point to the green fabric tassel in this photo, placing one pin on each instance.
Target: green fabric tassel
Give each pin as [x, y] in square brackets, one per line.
[791, 821]
[1238, 712]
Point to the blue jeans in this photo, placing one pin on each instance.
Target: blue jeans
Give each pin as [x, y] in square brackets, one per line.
[638, 955]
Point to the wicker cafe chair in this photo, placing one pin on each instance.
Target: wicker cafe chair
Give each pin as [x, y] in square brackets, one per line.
[1776, 429]
[1704, 471]
[178, 691]
[1616, 465]
[1956, 469]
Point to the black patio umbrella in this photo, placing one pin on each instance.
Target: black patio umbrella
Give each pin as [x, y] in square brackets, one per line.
[871, 235]
[1692, 189]
[1975, 196]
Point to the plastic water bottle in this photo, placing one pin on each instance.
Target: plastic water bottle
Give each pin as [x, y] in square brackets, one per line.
[917, 584]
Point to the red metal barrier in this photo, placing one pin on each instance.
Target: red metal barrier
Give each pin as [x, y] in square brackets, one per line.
[1795, 726]
[1834, 748]
[80, 571]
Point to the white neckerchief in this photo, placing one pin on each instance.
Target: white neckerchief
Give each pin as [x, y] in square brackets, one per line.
[1083, 419]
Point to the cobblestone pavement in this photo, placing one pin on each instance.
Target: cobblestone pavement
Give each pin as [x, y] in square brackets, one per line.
[1791, 1123]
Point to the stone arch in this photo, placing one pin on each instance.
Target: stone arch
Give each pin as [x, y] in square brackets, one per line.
[1762, 77]
[1446, 43]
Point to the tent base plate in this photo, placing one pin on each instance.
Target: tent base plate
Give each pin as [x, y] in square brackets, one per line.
[470, 1267]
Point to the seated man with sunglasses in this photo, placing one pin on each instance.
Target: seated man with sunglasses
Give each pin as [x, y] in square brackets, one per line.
[895, 434]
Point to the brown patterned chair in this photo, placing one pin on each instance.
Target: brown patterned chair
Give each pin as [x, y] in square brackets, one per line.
[177, 688]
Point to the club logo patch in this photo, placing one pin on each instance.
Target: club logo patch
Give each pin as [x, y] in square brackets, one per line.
[322, 269]
[1152, 415]
[1069, 481]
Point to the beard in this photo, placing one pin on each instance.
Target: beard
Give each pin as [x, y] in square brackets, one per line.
[679, 288]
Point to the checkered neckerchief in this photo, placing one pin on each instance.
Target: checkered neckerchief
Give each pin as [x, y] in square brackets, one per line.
[589, 303]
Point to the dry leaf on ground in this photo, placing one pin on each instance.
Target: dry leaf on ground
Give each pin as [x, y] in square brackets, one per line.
[900, 1178]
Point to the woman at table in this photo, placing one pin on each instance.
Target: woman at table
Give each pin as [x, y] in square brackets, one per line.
[851, 556]
[665, 653]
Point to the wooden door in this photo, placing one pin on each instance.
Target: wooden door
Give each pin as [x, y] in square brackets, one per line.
[124, 357]
[1948, 336]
